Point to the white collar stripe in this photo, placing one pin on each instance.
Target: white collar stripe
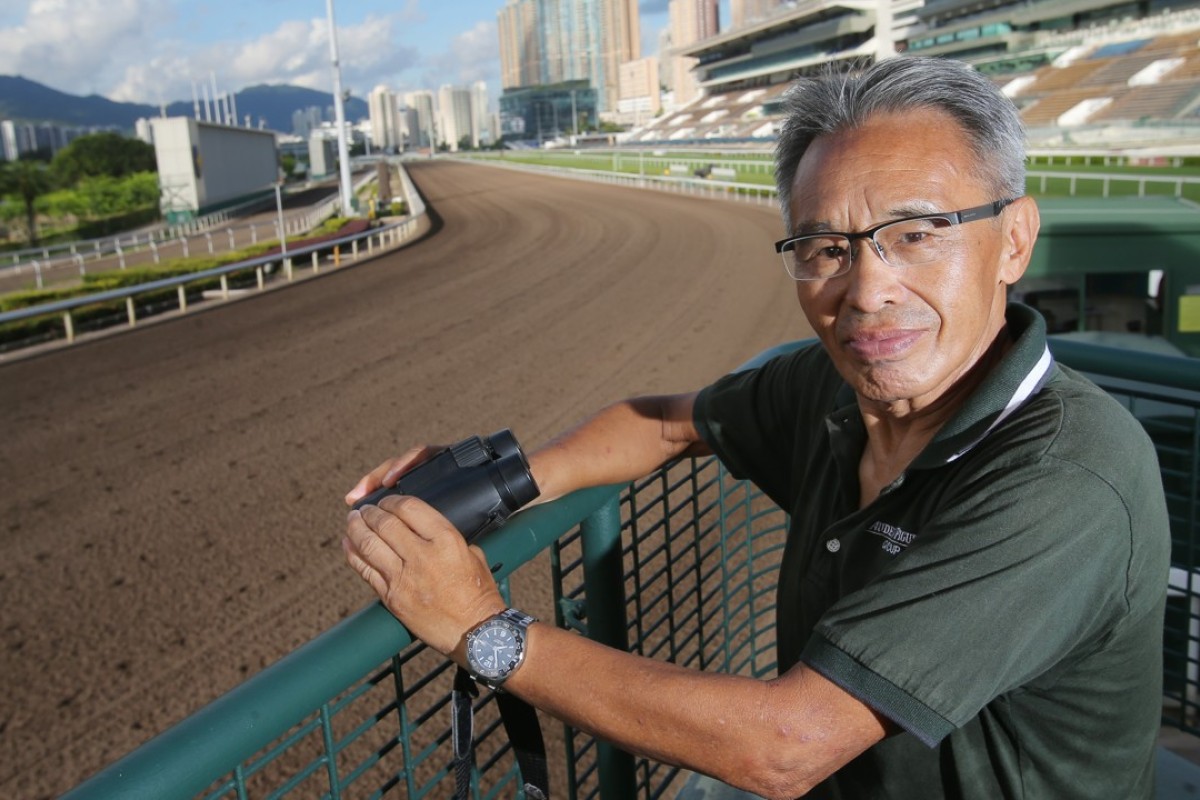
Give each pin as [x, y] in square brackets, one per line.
[1026, 389]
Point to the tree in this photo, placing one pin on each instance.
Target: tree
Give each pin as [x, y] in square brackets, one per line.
[27, 180]
[105, 153]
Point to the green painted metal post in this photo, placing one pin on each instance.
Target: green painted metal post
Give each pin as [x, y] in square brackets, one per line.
[604, 585]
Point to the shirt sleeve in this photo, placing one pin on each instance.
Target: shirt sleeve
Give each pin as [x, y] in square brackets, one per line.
[750, 419]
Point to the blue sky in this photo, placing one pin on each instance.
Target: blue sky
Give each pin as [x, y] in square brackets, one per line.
[150, 51]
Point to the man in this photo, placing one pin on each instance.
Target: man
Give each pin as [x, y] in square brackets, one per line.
[971, 598]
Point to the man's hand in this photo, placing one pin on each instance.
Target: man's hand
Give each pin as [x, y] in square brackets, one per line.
[421, 568]
[387, 473]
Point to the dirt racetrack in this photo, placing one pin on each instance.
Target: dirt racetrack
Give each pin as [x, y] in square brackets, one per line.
[170, 511]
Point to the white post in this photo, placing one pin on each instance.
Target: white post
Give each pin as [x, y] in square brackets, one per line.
[339, 110]
[217, 103]
[279, 213]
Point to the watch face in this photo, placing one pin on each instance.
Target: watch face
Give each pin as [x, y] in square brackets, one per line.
[495, 648]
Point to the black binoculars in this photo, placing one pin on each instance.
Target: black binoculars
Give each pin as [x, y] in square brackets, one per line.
[477, 484]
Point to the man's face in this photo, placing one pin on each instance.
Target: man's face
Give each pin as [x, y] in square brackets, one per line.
[902, 337]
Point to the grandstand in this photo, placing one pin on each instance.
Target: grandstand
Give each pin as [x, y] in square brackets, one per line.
[1108, 71]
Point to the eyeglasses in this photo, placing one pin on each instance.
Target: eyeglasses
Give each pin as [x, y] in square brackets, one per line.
[908, 242]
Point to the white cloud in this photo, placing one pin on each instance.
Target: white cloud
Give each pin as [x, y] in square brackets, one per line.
[296, 52]
[79, 45]
[119, 49]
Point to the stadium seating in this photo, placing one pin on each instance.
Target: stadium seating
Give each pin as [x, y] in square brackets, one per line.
[1132, 72]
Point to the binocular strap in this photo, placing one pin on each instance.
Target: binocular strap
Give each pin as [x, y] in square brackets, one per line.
[524, 734]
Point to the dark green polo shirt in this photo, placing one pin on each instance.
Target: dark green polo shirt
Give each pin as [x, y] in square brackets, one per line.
[1001, 601]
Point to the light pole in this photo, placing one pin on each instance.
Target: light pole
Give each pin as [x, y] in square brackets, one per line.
[339, 112]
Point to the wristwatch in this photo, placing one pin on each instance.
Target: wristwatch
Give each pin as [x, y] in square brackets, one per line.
[496, 647]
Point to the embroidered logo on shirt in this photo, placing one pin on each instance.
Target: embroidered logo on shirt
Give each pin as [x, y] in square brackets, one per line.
[895, 538]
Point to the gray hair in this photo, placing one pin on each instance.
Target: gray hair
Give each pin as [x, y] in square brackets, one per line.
[837, 102]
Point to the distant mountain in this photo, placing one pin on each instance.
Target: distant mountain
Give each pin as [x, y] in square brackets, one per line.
[28, 101]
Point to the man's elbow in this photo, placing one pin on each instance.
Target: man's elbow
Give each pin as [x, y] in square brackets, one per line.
[774, 778]
[789, 766]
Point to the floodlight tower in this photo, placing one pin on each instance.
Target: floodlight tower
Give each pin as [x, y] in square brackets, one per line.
[339, 112]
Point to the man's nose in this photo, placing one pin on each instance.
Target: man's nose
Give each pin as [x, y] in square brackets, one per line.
[872, 282]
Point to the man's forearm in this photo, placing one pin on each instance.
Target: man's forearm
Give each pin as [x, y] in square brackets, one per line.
[777, 738]
[620, 443]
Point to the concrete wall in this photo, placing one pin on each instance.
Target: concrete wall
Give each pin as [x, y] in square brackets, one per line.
[235, 162]
[178, 159]
[201, 164]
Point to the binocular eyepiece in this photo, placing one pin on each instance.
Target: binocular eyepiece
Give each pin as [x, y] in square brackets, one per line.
[477, 483]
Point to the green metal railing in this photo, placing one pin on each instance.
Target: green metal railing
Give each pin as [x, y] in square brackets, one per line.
[681, 566]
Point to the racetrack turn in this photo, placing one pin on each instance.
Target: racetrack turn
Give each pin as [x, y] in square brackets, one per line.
[171, 508]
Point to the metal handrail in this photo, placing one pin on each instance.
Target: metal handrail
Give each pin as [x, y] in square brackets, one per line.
[1179, 372]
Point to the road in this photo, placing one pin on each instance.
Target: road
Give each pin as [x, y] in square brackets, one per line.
[171, 498]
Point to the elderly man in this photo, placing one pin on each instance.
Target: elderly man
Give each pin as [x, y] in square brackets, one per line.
[971, 598]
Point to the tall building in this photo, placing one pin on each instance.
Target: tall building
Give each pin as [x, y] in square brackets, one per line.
[421, 121]
[520, 45]
[306, 121]
[621, 40]
[454, 112]
[480, 121]
[8, 140]
[141, 129]
[745, 12]
[691, 21]
[549, 42]
[385, 119]
[640, 97]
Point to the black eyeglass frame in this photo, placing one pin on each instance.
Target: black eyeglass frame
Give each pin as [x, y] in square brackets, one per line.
[986, 211]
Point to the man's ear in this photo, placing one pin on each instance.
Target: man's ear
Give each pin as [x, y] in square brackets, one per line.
[1023, 220]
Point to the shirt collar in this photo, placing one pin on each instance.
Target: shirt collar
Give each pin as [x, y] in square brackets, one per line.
[1021, 374]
